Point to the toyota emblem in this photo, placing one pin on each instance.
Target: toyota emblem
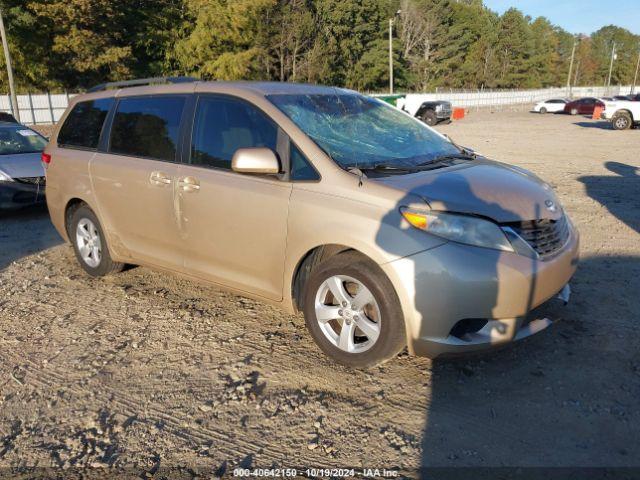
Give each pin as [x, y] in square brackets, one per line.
[550, 205]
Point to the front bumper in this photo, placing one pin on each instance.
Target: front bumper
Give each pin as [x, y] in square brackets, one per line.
[16, 194]
[441, 287]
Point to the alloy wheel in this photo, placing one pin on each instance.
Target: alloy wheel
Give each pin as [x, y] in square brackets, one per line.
[88, 242]
[348, 314]
[621, 123]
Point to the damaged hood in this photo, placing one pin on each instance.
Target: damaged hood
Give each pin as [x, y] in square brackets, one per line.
[490, 189]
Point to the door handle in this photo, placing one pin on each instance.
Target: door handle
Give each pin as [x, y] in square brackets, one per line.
[159, 178]
[189, 184]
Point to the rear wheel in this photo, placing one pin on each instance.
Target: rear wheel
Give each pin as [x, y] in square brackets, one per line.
[352, 311]
[90, 244]
[621, 121]
[429, 117]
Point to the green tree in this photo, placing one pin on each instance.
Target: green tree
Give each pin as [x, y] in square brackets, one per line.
[347, 29]
[29, 46]
[288, 38]
[514, 47]
[545, 55]
[474, 61]
[424, 30]
[626, 52]
[87, 39]
[221, 45]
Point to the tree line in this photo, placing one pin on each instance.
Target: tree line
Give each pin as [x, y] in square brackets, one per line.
[74, 44]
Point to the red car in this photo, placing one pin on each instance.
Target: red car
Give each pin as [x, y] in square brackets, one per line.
[584, 106]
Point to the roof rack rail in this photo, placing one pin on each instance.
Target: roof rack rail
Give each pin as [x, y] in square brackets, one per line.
[140, 82]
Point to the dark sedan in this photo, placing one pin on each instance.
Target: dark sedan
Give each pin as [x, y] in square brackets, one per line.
[22, 180]
[583, 106]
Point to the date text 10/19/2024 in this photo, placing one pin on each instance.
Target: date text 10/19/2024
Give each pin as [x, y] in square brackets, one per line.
[315, 472]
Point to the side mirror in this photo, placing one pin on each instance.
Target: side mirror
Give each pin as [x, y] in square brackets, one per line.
[255, 160]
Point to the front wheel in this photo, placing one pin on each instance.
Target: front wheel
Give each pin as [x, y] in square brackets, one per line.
[574, 111]
[90, 244]
[621, 121]
[429, 117]
[543, 110]
[352, 311]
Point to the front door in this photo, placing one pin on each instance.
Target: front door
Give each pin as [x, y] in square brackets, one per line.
[234, 225]
[135, 182]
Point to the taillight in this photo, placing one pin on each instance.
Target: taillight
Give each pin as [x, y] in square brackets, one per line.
[46, 158]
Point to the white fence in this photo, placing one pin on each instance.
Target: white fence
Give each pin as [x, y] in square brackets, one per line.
[509, 98]
[37, 108]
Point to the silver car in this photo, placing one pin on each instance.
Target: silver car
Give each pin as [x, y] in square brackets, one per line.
[22, 178]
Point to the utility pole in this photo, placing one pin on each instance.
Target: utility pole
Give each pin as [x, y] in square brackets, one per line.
[391, 20]
[613, 56]
[391, 55]
[635, 77]
[7, 58]
[573, 54]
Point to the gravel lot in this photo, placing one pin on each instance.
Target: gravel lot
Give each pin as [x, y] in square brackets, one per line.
[147, 373]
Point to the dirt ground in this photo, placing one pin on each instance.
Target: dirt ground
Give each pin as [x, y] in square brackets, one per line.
[146, 374]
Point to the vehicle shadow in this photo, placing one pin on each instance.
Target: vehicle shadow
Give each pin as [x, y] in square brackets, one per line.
[618, 193]
[564, 399]
[601, 124]
[24, 232]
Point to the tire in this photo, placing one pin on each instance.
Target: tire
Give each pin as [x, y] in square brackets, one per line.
[429, 117]
[543, 110]
[621, 121]
[348, 272]
[574, 111]
[97, 261]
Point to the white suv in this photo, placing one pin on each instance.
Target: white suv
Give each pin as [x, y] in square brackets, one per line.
[622, 113]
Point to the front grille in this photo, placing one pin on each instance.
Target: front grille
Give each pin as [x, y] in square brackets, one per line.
[32, 180]
[545, 236]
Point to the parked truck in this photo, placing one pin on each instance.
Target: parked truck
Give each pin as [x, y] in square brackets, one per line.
[429, 111]
[623, 114]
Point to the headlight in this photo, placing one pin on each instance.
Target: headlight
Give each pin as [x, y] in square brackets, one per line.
[459, 228]
[4, 177]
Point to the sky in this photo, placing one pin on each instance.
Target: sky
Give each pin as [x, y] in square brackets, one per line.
[577, 16]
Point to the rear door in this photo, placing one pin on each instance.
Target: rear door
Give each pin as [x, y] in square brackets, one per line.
[135, 178]
[234, 225]
[555, 105]
[587, 105]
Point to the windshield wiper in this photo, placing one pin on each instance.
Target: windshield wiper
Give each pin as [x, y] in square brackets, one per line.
[380, 167]
[443, 158]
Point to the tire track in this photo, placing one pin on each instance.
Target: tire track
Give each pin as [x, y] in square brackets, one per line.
[172, 424]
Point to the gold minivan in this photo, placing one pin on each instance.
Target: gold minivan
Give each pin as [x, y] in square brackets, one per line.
[383, 232]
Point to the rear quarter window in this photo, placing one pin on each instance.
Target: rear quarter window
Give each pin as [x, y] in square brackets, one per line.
[84, 123]
[147, 127]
